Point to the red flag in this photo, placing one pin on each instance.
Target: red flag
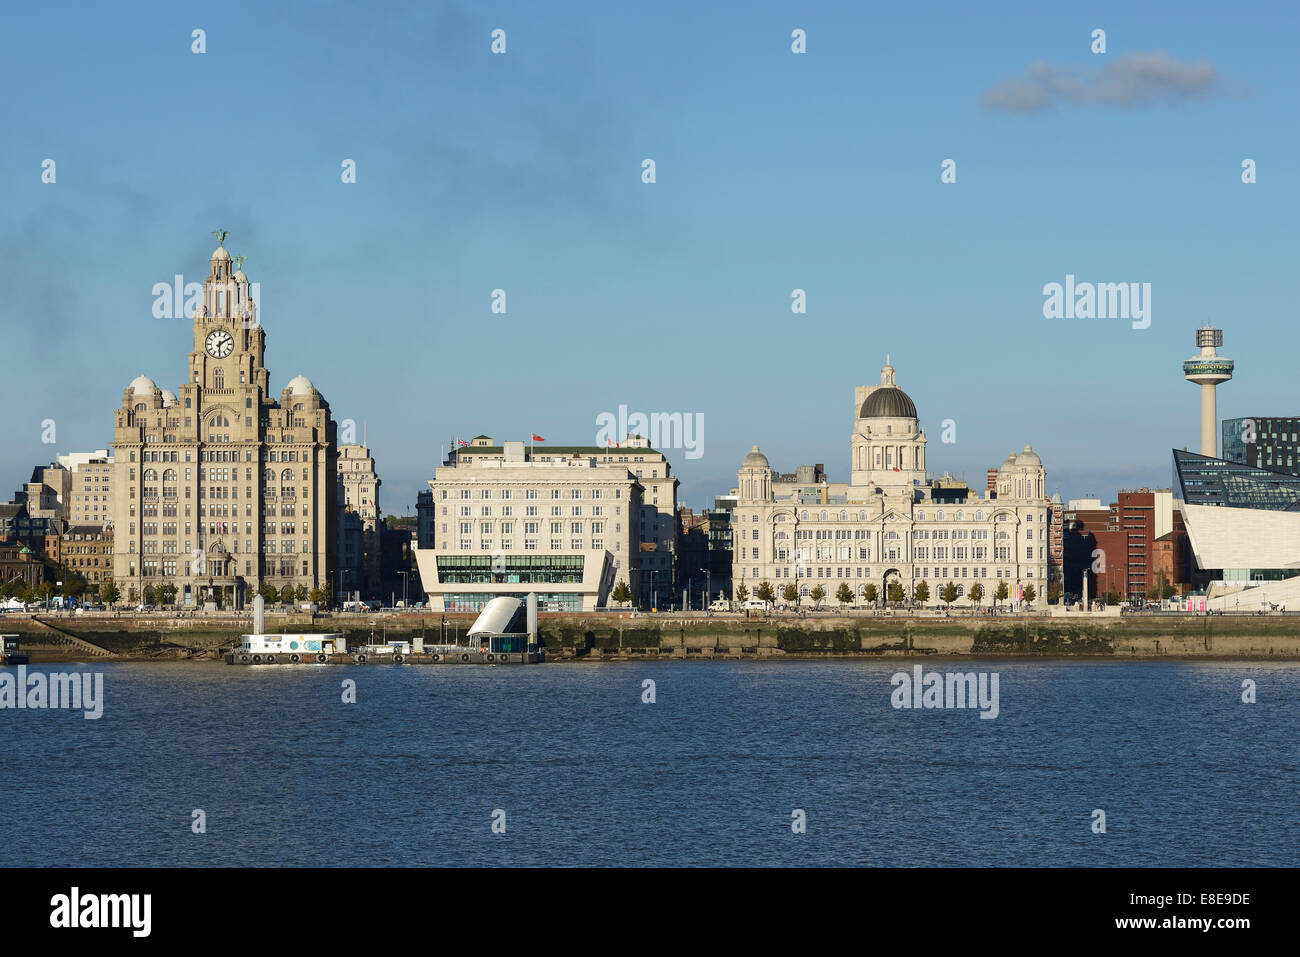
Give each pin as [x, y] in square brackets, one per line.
[537, 438]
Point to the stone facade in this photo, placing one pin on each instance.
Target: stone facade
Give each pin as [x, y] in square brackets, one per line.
[47, 493]
[88, 551]
[567, 522]
[220, 487]
[91, 489]
[359, 560]
[892, 522]
[19, 563]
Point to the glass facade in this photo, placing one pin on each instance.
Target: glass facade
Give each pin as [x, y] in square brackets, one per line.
[509, 569]
[552, 601]
[1202, 480]
[1270, 442]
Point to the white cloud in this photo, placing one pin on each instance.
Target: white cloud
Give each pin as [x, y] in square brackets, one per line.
[1131, 79]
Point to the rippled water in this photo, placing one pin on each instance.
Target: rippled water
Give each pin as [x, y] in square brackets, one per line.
[709, 774]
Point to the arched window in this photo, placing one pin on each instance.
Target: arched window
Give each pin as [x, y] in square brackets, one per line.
[287, 475]
[169, 475]
[824, 515]
[150, 475]
[844, 515]
[803, 516]
[979, 515]
[960, 515]
[218, 379]
[862, 515]
[920, 516]
[938, 516]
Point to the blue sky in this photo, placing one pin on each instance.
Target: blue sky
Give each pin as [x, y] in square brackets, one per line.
[775, 171]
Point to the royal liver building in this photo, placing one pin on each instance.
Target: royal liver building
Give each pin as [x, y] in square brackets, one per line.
[220, 487]
[892, 522]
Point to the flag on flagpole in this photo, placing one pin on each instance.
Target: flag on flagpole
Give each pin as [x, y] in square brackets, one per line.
[462, 443]
[537, 438]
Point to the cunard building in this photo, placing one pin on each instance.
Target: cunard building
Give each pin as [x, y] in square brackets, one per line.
[893, 522]
[221, 486]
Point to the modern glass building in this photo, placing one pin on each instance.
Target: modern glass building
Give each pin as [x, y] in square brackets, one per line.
[1203, 480]
[1243, 522]
[1265, 441]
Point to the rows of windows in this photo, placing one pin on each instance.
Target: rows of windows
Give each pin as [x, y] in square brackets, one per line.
[286, 547]
[486, 494]
[152, 567]
[507, 511]
[859, 571]
[219, 455]
[558, 601]
[844, 515]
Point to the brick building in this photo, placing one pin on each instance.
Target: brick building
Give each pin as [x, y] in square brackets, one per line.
[1117, 546]
[88, 551]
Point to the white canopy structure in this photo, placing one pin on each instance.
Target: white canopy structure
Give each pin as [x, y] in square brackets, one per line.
[498, 617]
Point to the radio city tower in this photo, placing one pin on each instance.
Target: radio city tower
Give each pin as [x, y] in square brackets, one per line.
[1207, 370]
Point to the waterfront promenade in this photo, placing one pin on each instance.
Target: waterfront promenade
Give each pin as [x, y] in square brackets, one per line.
[691, 635]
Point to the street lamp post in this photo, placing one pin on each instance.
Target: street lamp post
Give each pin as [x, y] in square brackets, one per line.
[404, 580]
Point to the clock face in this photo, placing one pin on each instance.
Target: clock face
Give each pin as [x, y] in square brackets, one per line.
[219, 344]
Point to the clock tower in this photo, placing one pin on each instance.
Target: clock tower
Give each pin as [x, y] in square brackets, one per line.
[224, 489]
[229, 342]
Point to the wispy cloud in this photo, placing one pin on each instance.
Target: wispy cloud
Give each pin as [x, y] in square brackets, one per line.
[1131, 79]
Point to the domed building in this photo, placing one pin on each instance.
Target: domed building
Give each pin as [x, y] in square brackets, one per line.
[894, 524]
[219, 488]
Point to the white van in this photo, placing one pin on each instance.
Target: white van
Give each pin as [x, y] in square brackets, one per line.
[757, 604]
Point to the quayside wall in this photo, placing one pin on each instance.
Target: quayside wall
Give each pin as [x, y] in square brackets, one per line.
[623, 635]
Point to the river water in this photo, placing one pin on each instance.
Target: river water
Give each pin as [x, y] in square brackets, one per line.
[711, 772]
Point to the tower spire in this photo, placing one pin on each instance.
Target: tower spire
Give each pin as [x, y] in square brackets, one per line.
[1207, 370]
